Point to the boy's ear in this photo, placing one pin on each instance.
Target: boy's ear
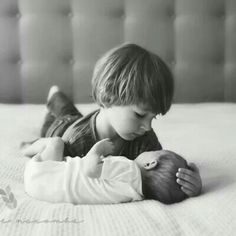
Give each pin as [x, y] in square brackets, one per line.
[150, 165]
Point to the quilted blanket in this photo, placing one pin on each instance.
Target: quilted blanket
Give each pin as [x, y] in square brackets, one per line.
[203, 133]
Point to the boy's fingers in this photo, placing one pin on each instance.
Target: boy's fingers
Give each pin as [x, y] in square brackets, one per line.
[186, 184]
[188, 192]
[193, 167]
[194, 187]
[185, 171]
[188, 175]
[185, 177]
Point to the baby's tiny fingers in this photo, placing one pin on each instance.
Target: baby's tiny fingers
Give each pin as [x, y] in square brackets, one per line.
[106, 139]
[37, 157]
[193, 167]
[109, 143]
[103, 157]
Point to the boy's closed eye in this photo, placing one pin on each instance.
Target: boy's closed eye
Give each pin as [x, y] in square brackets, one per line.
[141, 116]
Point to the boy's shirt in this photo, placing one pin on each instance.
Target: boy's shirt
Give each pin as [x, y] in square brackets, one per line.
[80, 136]
[67, 182]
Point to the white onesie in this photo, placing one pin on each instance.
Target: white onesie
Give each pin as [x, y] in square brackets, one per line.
[117, 180]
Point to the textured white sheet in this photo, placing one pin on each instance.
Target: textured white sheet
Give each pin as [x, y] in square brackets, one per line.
[203, 133]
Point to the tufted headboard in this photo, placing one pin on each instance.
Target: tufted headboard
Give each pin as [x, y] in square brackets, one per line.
[46, 42]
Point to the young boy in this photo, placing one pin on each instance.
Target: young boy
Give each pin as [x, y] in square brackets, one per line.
[98, 178]
[132, 86]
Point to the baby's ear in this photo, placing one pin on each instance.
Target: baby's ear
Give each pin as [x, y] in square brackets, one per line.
[150, 165]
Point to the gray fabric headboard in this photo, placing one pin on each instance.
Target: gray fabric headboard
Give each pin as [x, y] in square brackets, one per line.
[46, 42]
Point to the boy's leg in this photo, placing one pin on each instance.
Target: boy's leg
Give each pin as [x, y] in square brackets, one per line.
[48, 120]
[59, 105]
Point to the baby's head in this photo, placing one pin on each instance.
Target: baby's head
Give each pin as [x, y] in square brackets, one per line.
[159, 170]
[131, 75]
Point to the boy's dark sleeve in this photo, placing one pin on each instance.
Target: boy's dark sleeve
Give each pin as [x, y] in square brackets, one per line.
[147, 142]
[150, 142]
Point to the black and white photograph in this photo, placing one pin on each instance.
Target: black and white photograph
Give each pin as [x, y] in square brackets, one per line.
[117, 117]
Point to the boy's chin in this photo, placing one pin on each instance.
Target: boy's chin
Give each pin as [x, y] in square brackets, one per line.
[128, 137]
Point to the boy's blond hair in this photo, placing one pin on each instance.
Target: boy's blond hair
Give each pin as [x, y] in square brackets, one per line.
[132, 75]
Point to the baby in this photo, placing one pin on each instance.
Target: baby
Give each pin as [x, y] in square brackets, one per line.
[100, 178]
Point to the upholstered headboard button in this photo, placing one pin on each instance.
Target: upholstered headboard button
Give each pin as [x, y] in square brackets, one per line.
[70, 14]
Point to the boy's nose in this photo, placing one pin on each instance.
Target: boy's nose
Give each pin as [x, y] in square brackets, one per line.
[146, 126]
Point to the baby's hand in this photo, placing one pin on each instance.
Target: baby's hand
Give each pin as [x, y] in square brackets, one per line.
[96, 154]
[190, 180]
[103, 148]
[37, 158]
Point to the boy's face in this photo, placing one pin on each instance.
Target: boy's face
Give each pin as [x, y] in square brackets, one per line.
[129, 122]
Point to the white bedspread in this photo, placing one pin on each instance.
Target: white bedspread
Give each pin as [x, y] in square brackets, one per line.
[202, 133]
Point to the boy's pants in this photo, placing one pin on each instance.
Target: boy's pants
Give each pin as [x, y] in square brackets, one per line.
[61, 114]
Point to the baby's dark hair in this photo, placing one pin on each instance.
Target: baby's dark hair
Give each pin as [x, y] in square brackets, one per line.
[160, 183]
[132, 75]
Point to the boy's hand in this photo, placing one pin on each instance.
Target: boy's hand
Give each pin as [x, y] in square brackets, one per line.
[190, 180]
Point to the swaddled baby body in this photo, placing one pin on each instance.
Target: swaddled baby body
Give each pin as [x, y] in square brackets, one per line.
[100, 178]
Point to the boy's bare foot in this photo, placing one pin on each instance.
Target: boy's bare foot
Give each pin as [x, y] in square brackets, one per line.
[52, 91]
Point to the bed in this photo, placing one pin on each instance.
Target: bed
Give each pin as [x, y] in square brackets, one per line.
[43, 43]
[202, 133]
